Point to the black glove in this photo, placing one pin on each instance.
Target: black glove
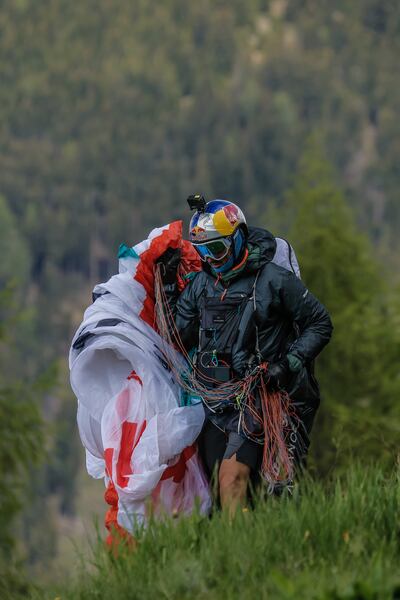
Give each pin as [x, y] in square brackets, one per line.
[279, 375]
[169, 263]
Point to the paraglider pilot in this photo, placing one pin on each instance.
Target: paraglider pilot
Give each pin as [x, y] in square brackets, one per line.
[247, 310]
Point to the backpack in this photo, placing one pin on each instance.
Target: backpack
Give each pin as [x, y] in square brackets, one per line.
[285, 257]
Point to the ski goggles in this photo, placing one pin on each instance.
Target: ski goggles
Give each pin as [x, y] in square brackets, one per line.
[215, 249]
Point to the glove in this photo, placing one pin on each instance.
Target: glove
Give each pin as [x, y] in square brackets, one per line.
[281, 373]
[169, 263]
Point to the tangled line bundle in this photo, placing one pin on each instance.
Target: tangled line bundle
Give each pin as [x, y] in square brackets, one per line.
[271, 414]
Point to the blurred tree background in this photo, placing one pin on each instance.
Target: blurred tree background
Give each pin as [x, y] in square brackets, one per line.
[111, 113]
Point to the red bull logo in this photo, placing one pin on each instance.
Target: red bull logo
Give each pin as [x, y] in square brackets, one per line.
[199, 233]
[232, 213]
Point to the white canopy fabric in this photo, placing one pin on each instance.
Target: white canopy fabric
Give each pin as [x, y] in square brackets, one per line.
[136, 433]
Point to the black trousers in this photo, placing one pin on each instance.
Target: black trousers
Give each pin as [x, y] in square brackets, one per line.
[214, 444]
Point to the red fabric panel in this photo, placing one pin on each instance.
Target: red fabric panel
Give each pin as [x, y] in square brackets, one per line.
[170, 237]
[130, 437]
[177, 471]
[116, 533]
[135, 376]
[108, 456]
[128, 444]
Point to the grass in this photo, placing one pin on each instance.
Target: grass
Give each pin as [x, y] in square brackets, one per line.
[329, 541]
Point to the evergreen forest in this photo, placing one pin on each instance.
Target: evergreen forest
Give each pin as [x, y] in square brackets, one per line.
[111, 114]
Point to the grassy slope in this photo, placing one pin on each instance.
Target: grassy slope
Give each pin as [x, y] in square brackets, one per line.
[337, 542]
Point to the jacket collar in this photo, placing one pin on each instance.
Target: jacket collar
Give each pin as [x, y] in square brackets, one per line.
[261, 245]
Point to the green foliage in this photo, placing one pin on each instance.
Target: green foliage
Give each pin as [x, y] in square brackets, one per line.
[21, 444]
[14, 264]
[106, 130]
[22, 436]
[21, 447]
[327, 542]
[14, 585]
[66, 453]
[111, 113]
[109, 124]
[358, 371]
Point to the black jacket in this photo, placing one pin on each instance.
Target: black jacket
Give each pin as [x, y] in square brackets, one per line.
[287, 317]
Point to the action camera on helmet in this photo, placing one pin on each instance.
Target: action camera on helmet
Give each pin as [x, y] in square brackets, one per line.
[197, 202]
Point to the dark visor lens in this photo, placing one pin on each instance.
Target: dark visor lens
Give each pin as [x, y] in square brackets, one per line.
[217, 248]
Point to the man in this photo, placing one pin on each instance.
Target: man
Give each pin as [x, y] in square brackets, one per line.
[242, 311]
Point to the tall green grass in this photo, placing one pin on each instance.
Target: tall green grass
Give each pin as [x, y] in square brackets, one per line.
[328, 541]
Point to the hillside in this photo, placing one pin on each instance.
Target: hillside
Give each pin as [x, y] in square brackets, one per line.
[328, 543]
[111, 113]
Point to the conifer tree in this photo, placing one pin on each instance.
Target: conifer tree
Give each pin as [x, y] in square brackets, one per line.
[21, 446]
[358, 370]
